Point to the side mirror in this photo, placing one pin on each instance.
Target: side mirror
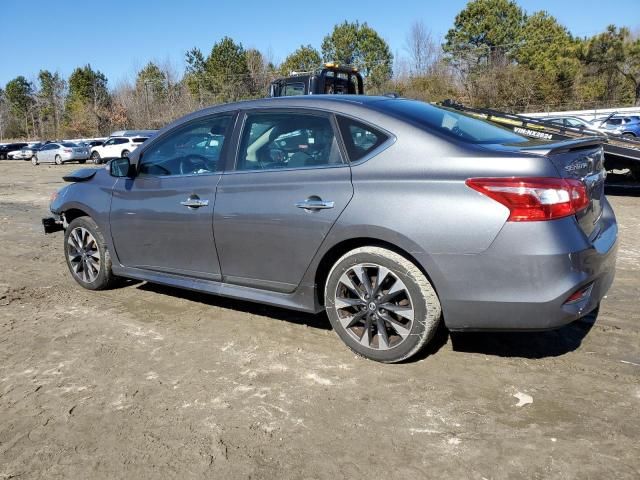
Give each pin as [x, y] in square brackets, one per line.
[120, 167]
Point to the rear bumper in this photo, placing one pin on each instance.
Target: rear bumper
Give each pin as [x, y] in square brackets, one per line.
[523, 281]
[69, 157]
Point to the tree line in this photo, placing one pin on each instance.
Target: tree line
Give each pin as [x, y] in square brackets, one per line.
[494, 55]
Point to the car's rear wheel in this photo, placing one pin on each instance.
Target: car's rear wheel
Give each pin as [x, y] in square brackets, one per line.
[95, 156]
[87, 255]
[381, 304]
[58, 160]
[34, 160]
[82, 161]
[125, 153]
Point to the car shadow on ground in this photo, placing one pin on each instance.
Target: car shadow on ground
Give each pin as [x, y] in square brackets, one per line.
[503, 344]
[319, 320]
[532, 345]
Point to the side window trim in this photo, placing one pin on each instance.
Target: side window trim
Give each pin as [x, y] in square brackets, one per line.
[227, 147]
[242, 124]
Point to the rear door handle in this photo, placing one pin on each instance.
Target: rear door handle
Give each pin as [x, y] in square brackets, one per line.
[194, 202]
[315, 204]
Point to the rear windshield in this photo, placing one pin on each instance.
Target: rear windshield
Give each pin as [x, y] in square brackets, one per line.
[139, 140]
[451, 122]
[69, 145]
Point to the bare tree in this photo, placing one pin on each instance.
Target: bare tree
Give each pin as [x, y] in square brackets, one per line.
[423, 51]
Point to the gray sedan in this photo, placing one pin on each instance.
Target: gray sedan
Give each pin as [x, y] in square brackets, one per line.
[60, 153]
[390, 214]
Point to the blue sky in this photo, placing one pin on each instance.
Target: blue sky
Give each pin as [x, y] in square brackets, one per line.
[120, 36]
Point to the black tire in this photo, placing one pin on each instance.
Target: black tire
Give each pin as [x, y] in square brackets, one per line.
[81, 270]
[402, 338]
[95, 156]
[125, 153]
[58, 160]
[34, 161]
[82, 161]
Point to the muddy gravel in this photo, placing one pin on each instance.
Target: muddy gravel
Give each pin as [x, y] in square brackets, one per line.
[146, 381]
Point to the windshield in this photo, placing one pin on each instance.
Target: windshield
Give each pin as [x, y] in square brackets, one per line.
[452, 123]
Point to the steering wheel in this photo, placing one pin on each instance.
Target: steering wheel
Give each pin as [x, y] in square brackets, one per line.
[192, 163]
[278, 157]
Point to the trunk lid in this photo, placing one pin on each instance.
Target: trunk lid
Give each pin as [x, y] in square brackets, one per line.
[581, 159]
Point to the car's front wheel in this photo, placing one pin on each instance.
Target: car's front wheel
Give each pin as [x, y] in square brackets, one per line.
[95, 157]
[381, 304]
[34, 160]
[87, 255]
[58, 160]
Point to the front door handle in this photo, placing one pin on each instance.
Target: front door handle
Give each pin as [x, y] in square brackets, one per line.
[315, 204]
[194, 202]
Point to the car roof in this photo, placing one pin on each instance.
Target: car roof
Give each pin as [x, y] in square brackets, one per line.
[328, 102]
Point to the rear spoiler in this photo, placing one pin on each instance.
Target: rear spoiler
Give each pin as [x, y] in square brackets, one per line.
[565, 146]
[81, 175]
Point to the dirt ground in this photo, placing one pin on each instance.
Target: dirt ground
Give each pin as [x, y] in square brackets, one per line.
[153, 382]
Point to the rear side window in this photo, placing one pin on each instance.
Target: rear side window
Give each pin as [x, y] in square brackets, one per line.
[287, 140]
[359, 138]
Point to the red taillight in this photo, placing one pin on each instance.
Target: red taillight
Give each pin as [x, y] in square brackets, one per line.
[533, 199]
[579, 295]
[67, 150]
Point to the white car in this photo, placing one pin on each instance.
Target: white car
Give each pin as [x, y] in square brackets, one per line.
[115, 147]
[14, 154]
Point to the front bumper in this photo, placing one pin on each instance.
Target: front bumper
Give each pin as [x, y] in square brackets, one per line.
[52, 225]
[523, 281]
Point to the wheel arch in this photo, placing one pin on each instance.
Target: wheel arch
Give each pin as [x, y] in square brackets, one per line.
[332, 255]
[72, 213]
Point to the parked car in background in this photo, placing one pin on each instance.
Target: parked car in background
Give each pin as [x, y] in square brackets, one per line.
[390, 214]
[626, 127]
[60, 153]
[10, 149]
[15, 154]
[570, 121]
[116, 147]
[29, 151]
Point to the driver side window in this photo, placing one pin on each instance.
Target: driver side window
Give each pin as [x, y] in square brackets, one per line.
[190, 150]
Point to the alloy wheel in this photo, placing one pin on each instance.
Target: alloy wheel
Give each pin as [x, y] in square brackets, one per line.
[374, 306]
[83, 253]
